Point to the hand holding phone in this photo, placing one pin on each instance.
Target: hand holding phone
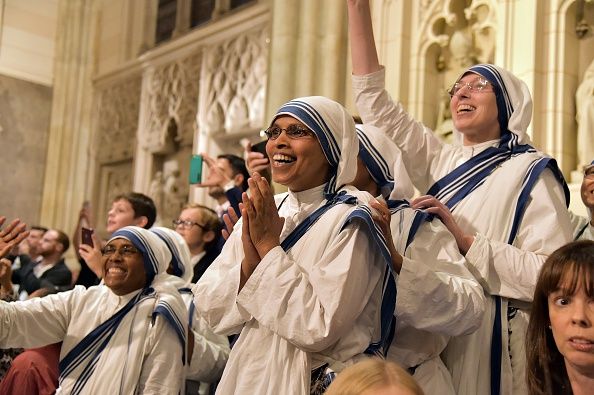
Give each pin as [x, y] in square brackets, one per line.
[196, 169]
[87, 236]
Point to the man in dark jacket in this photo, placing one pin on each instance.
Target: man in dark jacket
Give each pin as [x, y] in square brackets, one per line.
[50, 275]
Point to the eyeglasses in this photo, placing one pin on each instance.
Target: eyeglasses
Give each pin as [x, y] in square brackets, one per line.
[126, 250]
[187, 224]
[589, 171]
[293, 131]
[477, 85]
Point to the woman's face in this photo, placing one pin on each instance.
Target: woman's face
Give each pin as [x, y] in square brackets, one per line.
[572, 319]
[475, 112]
[298, 163]
[123, 267]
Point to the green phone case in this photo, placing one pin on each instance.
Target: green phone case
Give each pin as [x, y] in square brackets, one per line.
[196, 169]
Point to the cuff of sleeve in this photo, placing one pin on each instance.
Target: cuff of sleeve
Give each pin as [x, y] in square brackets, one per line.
[377, 78]
[477, 257]
[251, 285]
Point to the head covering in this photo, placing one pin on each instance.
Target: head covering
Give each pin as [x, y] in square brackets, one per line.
[335, 129]
[80, 362]
[180, 253]
[514, 102]
[384, 162]
[155, 254]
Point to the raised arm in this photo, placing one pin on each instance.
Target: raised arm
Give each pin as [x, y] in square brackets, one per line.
[36, 322]
[363, 52]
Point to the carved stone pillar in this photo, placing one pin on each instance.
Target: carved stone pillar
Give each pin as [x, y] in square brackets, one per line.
[65, 182]
[309, 53]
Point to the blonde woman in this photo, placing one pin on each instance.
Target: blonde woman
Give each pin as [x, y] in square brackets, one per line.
[374, 376]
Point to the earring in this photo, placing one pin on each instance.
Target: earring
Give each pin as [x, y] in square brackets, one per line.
[550, 327]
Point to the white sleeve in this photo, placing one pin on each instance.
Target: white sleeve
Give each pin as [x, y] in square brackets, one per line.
[435, 290]
[582, 228]
[313, 309]
[162, 369]
[588, 233]
[216, 292]
[36, 322]
[422, 152]
[210, 355]
[511, 271]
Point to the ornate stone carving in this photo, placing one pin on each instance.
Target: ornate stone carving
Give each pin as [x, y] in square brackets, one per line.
[465, 35]
[115, 179]
[584, 100]
[170, 99]
[169, 191]
[234, 84]
[117, 113]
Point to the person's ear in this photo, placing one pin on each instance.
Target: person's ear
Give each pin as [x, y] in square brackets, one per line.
[141, 221]
[208, 236]
[238, 179]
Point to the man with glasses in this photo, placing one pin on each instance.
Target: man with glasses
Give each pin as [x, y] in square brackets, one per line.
[584, 226]
[201, 229]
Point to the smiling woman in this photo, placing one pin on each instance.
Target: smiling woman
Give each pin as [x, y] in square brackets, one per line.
[124, 337]
[300, 276]
[503, 200]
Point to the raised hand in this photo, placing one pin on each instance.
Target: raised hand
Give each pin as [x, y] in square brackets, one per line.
[265, 225]
[432, 205]
[230, 218]
[12, 235]
[256, 162]
[216, 176]
[92, 256]
[251, 258]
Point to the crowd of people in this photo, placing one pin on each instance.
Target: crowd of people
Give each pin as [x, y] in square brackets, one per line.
[482, 282]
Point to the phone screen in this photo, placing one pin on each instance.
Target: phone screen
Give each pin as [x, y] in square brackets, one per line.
[260, 147]
[86, 236]
[196, 169]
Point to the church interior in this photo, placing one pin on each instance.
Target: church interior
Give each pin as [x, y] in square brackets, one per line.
[102, 97]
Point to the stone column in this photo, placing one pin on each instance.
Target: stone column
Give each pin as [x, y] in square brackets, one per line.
[66, 182]
[309, 53]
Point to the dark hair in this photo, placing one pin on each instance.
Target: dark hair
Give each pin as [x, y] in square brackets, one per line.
[142, 206]
[570, 266]
[62, 239]
[37, 227]
[238, 166]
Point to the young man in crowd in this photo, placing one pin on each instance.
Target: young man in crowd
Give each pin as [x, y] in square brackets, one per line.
[130, 209]
[49, 274]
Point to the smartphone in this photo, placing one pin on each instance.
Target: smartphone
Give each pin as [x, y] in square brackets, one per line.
[87, 236]
[260, 147]
[196, 169]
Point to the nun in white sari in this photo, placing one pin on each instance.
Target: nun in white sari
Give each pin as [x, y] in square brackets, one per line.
[123, 337]
[437, 295]
[298, 279]
[504, 202]
[207, 351]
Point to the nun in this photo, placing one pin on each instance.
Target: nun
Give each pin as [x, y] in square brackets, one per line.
[300, 278]
[504, 201]
[123, 337]
[207, 351]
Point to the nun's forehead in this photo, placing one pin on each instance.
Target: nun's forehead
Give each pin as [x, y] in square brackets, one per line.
[467, 72]
[120, 238]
